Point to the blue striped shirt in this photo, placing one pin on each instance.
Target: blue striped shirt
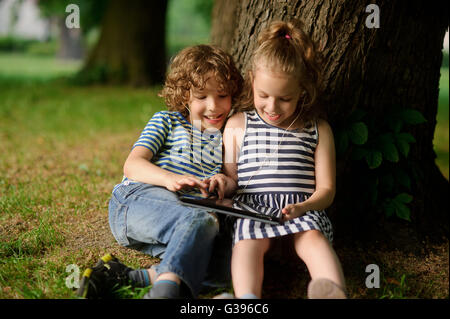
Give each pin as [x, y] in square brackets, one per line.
[180, 148]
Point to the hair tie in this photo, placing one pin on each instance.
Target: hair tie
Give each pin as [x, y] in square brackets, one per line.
[287, 36]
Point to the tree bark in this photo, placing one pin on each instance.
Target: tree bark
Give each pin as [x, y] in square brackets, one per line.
[223, 23]
[131, 47]
[70, 44]
[374, 69]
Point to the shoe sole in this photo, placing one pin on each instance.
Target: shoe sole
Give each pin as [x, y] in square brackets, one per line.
[325, 289]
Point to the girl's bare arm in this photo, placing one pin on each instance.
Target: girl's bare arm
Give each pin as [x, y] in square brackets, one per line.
[325, 173]
[232, 140]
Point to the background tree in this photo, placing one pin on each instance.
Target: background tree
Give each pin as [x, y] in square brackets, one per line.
[71, 44]
[380, 89]
[188, 23]
[131, 47]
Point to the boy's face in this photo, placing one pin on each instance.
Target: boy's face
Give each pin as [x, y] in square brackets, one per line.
[209, 107]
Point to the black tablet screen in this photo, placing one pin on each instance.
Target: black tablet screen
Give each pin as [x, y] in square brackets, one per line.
[239, 209]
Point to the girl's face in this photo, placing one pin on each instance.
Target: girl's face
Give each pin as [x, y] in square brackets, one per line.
[275, 96]
[209, 107]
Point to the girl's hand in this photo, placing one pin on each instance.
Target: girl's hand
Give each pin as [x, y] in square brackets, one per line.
[178, 182]
[292, 211]
[219, 182]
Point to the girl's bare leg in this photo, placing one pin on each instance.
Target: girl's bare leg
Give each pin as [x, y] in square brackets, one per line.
[247, 266]
[319, 256]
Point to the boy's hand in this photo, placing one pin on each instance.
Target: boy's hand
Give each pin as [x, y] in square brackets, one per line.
[178, 182]
[292, 211]
[219, 182]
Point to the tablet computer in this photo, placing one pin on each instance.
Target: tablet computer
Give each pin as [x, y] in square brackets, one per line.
[236, 208]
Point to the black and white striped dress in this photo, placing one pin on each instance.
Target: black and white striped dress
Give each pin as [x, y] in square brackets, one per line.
[276, 168]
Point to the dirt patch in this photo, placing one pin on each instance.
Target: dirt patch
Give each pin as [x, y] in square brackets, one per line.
[422, 274]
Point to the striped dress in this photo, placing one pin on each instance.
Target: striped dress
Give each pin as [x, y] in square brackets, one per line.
[276, 168]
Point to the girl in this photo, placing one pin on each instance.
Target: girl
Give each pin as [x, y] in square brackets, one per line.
[178, 153]
[281, 154]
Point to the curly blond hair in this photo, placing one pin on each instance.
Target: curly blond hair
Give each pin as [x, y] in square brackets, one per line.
[189, 69]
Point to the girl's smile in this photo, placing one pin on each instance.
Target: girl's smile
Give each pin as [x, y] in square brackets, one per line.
[275, 96]
[274, 117]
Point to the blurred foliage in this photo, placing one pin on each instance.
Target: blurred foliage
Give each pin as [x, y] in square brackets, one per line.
[441, 133]
[188, 23]
[34, 47]
[445, 59]
[378, 149]
[27, 68]
[204, 8]
[14, 44]
[91, 11]
[47, 48]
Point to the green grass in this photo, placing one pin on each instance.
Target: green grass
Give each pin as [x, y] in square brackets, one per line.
[63, 147]
[32, 68]
[394, 289]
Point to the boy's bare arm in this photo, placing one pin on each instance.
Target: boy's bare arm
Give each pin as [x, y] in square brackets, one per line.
[138, 167]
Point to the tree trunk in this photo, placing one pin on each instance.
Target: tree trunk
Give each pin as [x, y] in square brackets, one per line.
[131, 47]
[374, 69]
[70, 44]
[223, 23]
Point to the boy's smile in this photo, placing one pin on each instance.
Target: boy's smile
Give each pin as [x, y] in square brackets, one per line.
[214, 119]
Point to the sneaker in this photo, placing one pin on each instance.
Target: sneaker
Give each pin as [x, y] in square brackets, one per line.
[101, 280]
[325, 289]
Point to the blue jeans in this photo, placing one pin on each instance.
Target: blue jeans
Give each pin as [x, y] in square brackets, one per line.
[152, 220]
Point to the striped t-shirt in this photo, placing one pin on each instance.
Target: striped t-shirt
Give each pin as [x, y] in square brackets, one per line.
[181, 148]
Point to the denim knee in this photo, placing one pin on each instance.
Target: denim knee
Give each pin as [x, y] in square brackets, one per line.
[117, 221]
[207, 223]
[189, 251]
